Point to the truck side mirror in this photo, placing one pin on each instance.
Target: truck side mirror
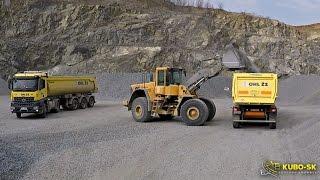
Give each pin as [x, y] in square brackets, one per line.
[10, 84]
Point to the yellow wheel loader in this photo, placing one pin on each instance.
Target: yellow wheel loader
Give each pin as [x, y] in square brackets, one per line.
[163, 94]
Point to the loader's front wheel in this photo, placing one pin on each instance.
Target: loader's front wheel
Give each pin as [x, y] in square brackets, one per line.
[194, 112]
[140, 111]
[211, 108]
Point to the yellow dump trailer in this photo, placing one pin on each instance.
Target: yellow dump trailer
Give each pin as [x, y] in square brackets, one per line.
[61, 85]
[36, 92]
[254, 96]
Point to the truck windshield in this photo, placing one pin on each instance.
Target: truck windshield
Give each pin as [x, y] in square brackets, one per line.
[25, 84]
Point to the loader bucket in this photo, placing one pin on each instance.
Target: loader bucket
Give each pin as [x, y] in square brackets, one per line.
[232, 59]
[235, 59]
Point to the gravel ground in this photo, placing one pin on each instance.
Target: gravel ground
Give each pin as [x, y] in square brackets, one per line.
[105, 143]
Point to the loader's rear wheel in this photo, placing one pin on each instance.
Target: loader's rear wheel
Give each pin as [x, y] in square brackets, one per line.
[140, 111]
[194, 112]
[211, 108]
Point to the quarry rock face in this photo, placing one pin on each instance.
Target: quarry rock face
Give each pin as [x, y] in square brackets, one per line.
[78, 37]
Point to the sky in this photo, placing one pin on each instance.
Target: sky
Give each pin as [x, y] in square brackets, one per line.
[293, 12]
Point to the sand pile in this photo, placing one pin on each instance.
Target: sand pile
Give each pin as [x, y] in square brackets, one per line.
[3, 87]
[299, 89]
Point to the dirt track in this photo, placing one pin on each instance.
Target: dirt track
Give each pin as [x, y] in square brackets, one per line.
[105, 143]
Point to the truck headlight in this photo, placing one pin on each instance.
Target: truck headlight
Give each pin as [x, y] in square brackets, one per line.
[36, 107]
[12, 108]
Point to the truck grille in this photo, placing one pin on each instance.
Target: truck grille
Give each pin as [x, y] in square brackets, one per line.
[24, 99]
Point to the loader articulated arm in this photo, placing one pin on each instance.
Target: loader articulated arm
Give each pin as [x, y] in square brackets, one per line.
[195, 86]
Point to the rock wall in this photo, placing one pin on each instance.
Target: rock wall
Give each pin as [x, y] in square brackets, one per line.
[137, 35]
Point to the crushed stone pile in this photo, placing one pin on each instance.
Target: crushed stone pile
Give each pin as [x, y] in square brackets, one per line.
[217, 87]
[117, 86]
[299, 89]
[3, 87]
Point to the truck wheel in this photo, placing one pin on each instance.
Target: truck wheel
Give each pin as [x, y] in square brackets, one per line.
[140, 111]
[18, 115]
[75, 104]
[236, 125]
[211, 108]
[65, 107]
[194, 112]
[165, 116]
[272, 125]
[91, 102]
[83, 103]
[57, 108]
[44, 113]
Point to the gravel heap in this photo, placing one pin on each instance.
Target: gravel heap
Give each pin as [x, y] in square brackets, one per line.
[299, 89]
[216, 87]
[117, 86]
[3, 87]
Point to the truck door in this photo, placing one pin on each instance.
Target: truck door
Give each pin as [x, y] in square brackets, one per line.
[42, 88]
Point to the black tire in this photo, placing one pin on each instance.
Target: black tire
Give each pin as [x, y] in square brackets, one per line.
[74, 104]
[91, 102]
[236, 125]
[272, 125]
[57, 108]
[165, 116]
[44, 113]
[65, 107]
[211, 108]
[196, 108]
[83, 103]
[139, 110]
[18, 115]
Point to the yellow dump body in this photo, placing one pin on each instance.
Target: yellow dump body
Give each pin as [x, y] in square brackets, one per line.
[61, 85]
[254, 88]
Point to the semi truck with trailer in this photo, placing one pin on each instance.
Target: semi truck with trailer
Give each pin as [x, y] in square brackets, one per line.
[37, 92]
[254, 96]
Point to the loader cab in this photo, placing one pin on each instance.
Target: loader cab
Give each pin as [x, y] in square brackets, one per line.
[168, 80]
